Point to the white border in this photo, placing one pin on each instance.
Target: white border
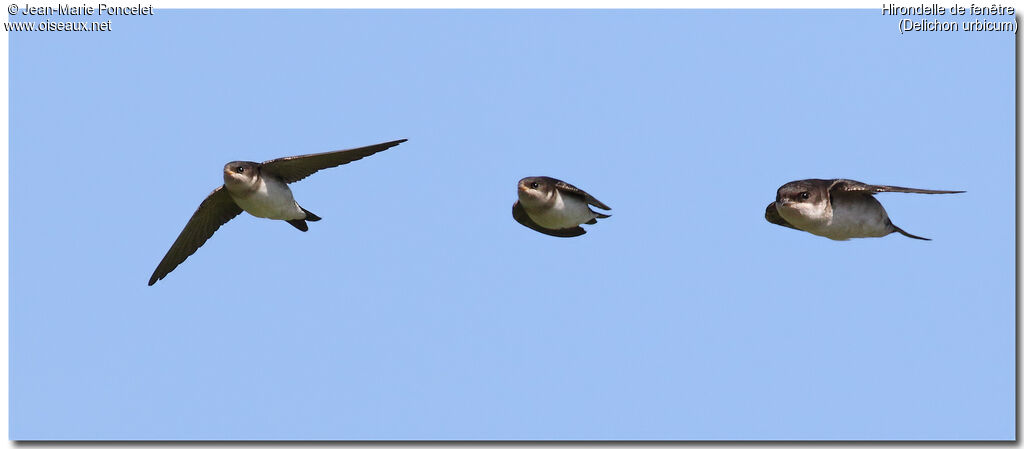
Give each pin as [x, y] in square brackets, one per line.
[322, 4]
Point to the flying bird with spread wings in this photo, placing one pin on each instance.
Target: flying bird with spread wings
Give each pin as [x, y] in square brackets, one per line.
[554, 207]
[261, 189]
[840, 209]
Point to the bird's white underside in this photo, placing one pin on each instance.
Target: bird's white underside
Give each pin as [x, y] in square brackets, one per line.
[565, 212]
[850, 216]
[270, 198]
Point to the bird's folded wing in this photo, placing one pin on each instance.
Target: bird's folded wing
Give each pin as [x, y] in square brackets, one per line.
[847, 185]
[294, 168]
[215, 210]
[772, 215]
[569, 188]
[520, 215]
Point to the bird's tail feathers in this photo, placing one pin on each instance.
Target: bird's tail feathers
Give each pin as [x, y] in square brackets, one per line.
[309, 215]
[299, 224]
[897, 228]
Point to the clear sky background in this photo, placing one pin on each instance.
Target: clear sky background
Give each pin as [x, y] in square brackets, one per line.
[419, 309]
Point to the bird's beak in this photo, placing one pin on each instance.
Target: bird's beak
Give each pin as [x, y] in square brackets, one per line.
[522, 187]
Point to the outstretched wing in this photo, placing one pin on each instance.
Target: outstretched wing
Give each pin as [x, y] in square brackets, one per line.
[520, 215]
[772, 215]
[571, 189]
[848, 185]
[213, 212]
[294, 168]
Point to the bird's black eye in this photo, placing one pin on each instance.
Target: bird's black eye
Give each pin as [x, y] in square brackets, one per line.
[805, 195]
[534, 185]
[239, 169]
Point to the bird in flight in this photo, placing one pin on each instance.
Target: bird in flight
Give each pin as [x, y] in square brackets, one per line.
[261, 189]
[840, 209]
[554, 207]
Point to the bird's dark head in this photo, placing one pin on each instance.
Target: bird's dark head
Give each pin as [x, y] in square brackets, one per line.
[803, 200]
[536, 189]
[798, 192]
[241, 174]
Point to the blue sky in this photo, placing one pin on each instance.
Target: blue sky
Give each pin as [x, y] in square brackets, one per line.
[419, 309]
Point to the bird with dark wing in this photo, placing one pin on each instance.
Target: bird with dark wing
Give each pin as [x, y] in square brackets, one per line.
[554, 207]
[261, 189]
[840, 209]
